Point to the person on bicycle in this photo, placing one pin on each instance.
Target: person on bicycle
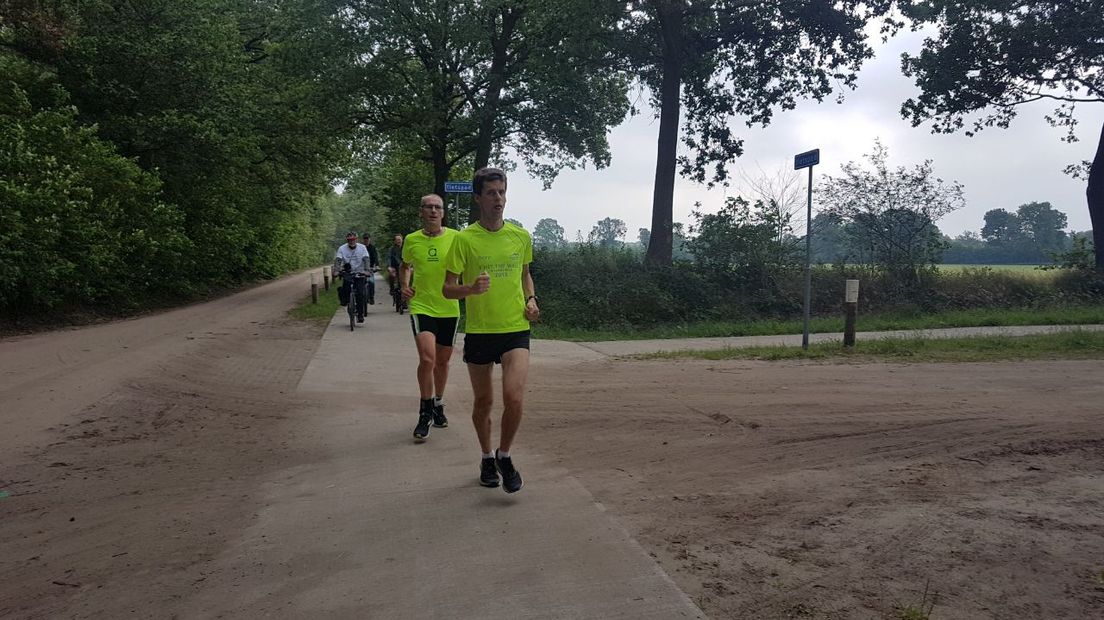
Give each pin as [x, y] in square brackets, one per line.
[352, 259]
[394, 262]
[432, 317]
[373, 266]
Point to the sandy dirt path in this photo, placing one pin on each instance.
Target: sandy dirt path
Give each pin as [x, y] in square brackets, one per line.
[130, 451]
[798, 490]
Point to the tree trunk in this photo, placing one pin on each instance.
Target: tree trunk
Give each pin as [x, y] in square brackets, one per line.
[663, 196]
[484, 142]
[441, 170]
[1095, 195]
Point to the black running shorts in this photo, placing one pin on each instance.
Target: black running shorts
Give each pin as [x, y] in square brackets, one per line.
[444, 328]
[488, 348]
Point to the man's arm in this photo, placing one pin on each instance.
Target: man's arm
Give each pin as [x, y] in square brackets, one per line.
[453, 289]
[532, 310]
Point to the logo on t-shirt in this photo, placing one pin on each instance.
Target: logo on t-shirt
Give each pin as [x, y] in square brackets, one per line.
[433, 255]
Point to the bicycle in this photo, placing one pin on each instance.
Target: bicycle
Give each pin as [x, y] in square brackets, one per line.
[396, 295]
[356, 315]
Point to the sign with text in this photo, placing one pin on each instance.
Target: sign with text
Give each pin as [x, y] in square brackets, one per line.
[806, 159]
[458, 187]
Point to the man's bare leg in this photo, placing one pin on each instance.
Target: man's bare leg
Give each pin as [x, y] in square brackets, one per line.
[515, 371]
[482, 400]
[441, 368]
[427, 360]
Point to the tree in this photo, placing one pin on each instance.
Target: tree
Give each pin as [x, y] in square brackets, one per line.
[468, 80]
[1043, 225]
[1001, 227]
[548, 234]
[891, 213]
[608, 232]
[713, 59]
[994, 57]
[643, 235]
[781, 192]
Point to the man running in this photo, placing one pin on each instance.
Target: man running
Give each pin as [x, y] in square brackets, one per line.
[493, 256]
[431, 315]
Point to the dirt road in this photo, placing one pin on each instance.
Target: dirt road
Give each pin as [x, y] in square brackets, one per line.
[130, 451]
[790, 490]
[132, 454]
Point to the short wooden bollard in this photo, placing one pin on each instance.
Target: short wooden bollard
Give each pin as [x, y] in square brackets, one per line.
[326, 277]
[314, 290]
[851, 307]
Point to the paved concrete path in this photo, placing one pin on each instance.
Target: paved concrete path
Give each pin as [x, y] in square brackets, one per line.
[638, 347]
[381, 527]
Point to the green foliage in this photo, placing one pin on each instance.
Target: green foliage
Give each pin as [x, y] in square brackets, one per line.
[159, 149]
[79, 225]
[890, 214]
[608, 232]
[548, 234]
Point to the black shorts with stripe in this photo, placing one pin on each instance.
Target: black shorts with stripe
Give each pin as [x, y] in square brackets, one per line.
[489, 348]
[444, 328]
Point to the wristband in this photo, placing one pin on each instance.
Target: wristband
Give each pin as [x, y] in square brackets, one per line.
[533, 297]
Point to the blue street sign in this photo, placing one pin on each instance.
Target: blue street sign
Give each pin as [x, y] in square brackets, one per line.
[458, 187]
[806, 159]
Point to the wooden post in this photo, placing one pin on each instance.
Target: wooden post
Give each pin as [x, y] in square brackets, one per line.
[851, 306]
[326, 277]
[314, 289]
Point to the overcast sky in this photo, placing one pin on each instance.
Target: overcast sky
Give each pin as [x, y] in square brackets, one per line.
[998, 168]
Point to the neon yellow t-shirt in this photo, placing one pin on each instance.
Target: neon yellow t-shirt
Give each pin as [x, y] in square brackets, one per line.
[501, 254]
[427, 255]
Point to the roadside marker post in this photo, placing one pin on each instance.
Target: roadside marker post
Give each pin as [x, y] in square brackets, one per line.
[326, 277]
[851, 309]
[314, 289]
[808, 159]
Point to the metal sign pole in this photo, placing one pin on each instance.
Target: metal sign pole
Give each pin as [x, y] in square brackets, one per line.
[808, 263]
[808, 159]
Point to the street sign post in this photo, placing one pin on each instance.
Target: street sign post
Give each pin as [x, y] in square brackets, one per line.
[458, 187]
[808, 159]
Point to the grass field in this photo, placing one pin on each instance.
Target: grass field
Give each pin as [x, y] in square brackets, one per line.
[322, 312]
[1072, 345]
[961, 267]
[984, 317]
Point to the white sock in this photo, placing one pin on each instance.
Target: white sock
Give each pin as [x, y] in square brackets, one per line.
[503, 454]
[438, 400]
[489, 455]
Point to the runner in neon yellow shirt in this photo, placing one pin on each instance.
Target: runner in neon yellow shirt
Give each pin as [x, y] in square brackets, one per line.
[493, 258]
[432, 317]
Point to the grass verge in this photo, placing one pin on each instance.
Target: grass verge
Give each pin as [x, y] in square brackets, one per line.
[322, 312]
[996, 317]
[1070, 345]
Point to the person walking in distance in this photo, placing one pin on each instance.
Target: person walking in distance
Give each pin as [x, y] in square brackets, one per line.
[432, 317]
[491, 258]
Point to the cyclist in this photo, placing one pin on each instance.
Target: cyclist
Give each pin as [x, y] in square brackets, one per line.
[373, 264]
[394, 261]
[432, 317]
[355, 256]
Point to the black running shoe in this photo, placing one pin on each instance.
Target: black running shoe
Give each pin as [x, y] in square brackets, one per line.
[360, 318]
[421, 431]
[488, 473]
[439, 419]
[511, 479]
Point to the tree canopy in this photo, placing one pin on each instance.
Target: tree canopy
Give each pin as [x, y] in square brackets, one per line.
[989, 58]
